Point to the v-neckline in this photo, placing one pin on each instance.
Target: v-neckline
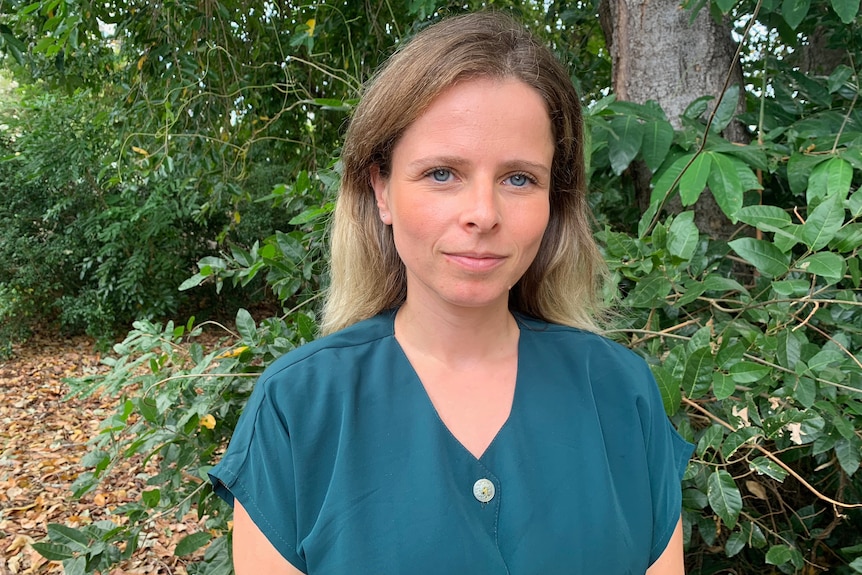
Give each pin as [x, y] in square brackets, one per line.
[417, 382]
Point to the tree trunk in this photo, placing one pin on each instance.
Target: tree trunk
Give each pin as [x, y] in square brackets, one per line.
[658, 53]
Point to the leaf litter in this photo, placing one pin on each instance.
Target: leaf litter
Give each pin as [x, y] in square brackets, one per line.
[42, 440]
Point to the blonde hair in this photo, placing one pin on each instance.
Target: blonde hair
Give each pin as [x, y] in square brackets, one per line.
[366, 274]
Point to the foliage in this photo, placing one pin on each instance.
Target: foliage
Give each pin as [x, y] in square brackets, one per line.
[757, 338]
[208, 134]
[92, 251]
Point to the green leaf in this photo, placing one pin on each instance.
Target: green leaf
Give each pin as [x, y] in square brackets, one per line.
[52, 551]
[856, 565]
[697, 377]
[764, 466]
[192, 282]
[649, 292]
[726, 109]
[779, 554]
[827, 265]
[70, 536]
[291, 247]
[624, 141]
[855, 203]
[786, 238]
[725, 184]
[763, 255]
[787, 288]
[750, 156]
[839, 76]
[309, 215]
[833, 176]
[682, 236]
[823, 223]
[657, 138]
[794, 11]
[735, 543]
[749, 372]
[725, 6]
[332, 104]
[75, 566]
[723, 385]
[662, 181]
[671, 394]
[848, 453]
[147, 408]
[799, 168]
[804, 390]
[846, 10]
[697, 108]
[710, 439]
[763, 218]
[848, 238]
[245, 326]
[724, 497]
[191, 543]
[151, 497]
[723, 284]
[694, 179]
[737, 439]
[729, 355]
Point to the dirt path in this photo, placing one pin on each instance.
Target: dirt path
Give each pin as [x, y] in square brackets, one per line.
[42, 439]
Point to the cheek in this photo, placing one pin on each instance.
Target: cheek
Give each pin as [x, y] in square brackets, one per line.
[534, 222]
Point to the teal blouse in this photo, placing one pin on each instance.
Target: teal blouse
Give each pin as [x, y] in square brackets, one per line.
[343, 463]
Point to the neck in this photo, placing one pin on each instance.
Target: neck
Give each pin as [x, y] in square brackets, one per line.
[457, 336]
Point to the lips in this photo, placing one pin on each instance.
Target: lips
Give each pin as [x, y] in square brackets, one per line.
[476, 261]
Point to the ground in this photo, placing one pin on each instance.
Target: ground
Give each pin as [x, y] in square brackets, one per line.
[42, 438]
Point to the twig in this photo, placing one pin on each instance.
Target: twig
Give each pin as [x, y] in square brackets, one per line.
[774, 458]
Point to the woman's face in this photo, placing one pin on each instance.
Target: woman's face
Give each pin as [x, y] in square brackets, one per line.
[467, 194]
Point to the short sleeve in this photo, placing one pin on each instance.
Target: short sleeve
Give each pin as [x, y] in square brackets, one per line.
[259, 470]
[668, 455]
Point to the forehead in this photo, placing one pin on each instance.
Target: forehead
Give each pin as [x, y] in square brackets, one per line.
[483, 114]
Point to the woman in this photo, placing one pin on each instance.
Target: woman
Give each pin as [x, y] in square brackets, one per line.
[459, 416]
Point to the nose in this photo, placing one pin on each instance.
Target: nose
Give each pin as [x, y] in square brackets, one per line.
[480, 210]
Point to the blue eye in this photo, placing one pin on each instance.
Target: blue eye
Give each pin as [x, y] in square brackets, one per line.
[519, 180]
[441, 174]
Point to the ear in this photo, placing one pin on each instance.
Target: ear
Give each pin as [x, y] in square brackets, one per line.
[380, 184]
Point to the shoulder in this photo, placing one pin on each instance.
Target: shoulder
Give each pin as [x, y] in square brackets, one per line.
[341, 349]
[580, 345]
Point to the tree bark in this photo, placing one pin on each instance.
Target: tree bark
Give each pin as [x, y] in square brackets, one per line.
[659, 53]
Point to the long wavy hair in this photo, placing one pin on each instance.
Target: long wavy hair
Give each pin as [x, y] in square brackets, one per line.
[563, 283]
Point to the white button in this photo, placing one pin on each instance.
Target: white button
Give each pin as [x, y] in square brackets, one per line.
[483, 490]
